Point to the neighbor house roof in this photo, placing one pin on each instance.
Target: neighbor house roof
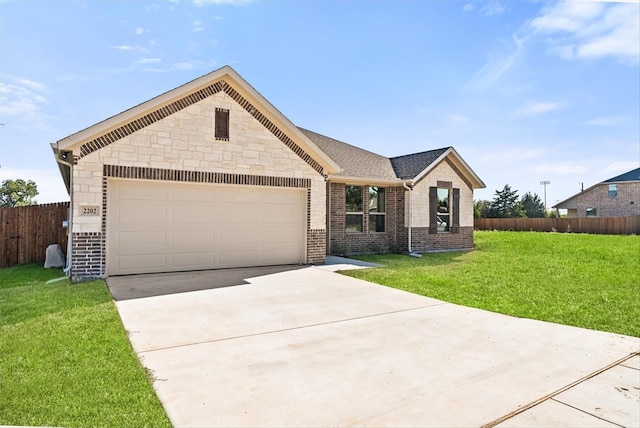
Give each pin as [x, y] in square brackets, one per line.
[569, 203]
[633, 175]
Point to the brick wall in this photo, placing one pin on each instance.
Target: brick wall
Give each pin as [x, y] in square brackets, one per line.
[366, 242]
[423, 242]
[87, 256]
[316, 246]
[620, 206]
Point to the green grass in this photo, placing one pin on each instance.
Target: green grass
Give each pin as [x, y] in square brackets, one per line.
[64, 356]
[590, 281]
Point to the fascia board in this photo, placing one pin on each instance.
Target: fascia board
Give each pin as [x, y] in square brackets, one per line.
[365, 181]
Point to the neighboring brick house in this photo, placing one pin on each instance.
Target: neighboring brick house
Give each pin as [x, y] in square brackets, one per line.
[616, 197]
[211, 175]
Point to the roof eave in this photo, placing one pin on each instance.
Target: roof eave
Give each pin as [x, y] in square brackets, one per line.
[65, 170]
[365, 180]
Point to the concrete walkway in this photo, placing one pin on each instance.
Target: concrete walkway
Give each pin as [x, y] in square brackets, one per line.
[309, 347]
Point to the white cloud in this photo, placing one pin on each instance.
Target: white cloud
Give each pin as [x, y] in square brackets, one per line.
[606, 121]
[148, 60]
[130, 48]
[497, 65]
[620, 167]
[532, 108]
[492, 8]
[140, 31]
[591, 30]
[22, 99]
[197, 26]
[468, 7]
[561, 169]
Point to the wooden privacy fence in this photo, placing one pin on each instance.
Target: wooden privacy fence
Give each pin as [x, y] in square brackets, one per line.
[597, 225]
[26, 232]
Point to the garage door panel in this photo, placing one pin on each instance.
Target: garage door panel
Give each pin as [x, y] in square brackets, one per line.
[136, 241]
[189, 193]
[142, 263]
[137, 191]
[141, 214]
[155, 226]
[192, 215]
[237, 214]
[193, 240]
[191, 260]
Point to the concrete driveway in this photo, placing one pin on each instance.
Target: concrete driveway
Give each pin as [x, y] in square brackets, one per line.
[309, 347]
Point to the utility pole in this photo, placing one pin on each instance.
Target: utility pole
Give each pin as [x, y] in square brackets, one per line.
[544, 183]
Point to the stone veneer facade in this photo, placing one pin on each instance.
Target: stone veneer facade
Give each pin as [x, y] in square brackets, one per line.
[396, 238]
[179, 145]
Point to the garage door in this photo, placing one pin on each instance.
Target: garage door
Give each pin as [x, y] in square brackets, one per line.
[165, 227]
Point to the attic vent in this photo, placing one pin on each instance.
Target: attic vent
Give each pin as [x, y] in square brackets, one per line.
[222, 124]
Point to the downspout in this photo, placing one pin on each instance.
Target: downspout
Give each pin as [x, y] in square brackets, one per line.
[67, 269]
[411, 253]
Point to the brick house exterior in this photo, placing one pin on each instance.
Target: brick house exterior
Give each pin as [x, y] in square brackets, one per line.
[148, 184]
[616, 197]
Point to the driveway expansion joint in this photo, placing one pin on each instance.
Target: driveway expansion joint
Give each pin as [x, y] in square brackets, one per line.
[559, 391]
[293, 328]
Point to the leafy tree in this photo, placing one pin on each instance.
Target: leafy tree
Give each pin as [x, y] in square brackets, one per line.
[533, 206]
[506, 204]
[17, 193]
[481, 208]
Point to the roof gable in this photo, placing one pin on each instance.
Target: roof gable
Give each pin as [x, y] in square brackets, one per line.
[410, 166]
[224, 79]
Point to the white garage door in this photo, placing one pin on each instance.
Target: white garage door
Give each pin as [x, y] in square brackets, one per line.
[163, 227]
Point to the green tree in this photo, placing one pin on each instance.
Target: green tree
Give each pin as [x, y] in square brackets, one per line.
[481, 208]
[533, 206]
[17, 193]
[506, 204]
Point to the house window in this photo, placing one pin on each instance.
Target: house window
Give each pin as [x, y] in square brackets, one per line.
[591, 212]
[613, 190]
[376, 209]
[354, 213]
[444, 210]
[222, 124]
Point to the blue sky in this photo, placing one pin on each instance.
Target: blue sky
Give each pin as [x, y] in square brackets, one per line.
[524, 90]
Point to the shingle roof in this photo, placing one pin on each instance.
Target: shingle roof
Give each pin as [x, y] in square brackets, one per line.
[409, 166]
[633, 175]
[354, 161]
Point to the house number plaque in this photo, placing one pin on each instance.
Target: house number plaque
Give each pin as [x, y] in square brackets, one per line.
[88, 211]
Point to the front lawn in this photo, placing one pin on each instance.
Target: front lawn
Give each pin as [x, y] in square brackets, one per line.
[590, 281]
[64, 356]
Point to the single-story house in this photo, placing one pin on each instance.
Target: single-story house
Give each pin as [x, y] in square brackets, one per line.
[211, 175]
[616, 197]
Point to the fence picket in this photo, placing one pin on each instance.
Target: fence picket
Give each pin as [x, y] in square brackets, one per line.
[26, 232]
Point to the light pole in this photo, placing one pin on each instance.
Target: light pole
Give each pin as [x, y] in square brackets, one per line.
[544, 183]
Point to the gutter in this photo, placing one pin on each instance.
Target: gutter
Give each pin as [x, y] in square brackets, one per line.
[410, 189]
[61, 158]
